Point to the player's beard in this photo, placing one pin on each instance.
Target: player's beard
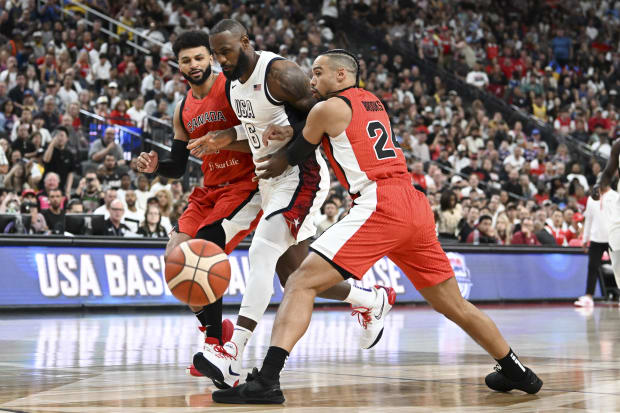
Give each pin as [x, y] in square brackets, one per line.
[243, 64]
[203, 78]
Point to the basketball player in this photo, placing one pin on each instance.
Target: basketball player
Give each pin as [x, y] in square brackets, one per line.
[265, 89]
[360, 145]
[614, 229]
[227, 208]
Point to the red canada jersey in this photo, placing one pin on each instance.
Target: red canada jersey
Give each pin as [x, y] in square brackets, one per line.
[213, 112]
[366, 151]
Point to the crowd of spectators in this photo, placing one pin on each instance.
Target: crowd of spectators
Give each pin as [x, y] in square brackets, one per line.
[488, 181]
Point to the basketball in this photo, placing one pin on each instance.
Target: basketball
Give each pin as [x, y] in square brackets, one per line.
[197, 272]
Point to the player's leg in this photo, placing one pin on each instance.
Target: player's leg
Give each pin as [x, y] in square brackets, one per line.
[614, 255]
[271, 239]
[425, 263]
[343, 291]
[512, 374]
[292, 319]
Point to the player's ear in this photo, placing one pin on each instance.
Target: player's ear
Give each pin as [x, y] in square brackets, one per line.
[245, 41]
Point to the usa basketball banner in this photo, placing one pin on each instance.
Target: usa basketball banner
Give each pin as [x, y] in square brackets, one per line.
[82, 276]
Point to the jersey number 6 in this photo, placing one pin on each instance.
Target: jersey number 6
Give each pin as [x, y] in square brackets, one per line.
[252, 135]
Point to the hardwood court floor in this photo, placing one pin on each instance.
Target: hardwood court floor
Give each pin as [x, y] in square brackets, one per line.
[136, 363]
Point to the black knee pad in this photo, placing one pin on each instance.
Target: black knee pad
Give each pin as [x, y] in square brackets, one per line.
[214, 233]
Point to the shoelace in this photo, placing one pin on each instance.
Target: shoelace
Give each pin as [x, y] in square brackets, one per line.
[222, 353]
[363, 315]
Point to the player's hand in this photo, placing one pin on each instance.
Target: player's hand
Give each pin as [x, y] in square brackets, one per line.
[277, 133]
[147, 162]
[596, 192]
[271, 165]
[210, 143]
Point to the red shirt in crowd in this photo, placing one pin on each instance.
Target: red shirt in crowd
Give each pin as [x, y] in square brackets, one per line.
[521, 239]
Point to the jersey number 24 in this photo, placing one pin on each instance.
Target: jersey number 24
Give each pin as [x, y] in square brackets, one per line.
[376, 130]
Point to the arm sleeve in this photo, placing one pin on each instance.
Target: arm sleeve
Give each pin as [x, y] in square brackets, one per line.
[174, 167]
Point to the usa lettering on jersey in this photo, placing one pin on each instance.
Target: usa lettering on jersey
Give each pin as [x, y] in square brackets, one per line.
[200, 120]
[243, 108]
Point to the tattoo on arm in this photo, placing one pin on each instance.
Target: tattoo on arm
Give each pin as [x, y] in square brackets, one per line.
[288, 83]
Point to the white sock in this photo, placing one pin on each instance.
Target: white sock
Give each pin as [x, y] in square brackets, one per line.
[361, 297]
[240, 337]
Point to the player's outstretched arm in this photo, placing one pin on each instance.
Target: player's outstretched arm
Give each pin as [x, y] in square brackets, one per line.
[608, 172]
[173, 167]
[330, 117]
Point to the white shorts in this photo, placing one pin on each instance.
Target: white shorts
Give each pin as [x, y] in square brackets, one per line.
[298, 195]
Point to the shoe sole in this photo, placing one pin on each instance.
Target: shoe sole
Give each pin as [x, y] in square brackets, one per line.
[206, 368]
[249, 401]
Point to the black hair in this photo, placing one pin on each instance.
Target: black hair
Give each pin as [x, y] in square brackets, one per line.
[229, 25]
[485, 217]
[444, 201]
[191, 39]
[350, 57]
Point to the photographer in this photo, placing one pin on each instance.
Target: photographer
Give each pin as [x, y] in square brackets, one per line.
[38, 225]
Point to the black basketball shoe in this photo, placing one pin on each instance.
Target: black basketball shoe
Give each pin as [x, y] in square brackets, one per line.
[497, 381]
[256, 390]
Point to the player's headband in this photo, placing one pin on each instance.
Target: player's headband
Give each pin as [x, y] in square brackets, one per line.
[357, 63]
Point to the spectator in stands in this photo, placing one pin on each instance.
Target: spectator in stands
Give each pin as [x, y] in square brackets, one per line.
[478, 77]
[23, 142]
[59, 159]
[50, 183]
[330, 211]
[106, 145]
[484, 233]
[50, 115]
[133, 215]
[143, 192]
[473, 187]
[164, 200]
[109, 196]
[37, 221]
[137, 113]
[419, 148]
[113, 225]
[55, 215]
[119, 115]
[467, 225]
[176, 189]
[450, 214]
[503, 230]
[151, 226]
[526, 234]
[420, 179]
[75, 206]
[109, 173]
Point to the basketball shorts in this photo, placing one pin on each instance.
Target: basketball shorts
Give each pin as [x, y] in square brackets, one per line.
[237, 206]
[614, 228]
[391, 219]
[298, 195]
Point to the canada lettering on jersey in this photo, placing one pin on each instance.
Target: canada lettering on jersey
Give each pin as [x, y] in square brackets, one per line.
[373, 106]
[200, 120]
[243, 108]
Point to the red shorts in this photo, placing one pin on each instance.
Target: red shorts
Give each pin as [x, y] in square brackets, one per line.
[394, 220]
[237, 206]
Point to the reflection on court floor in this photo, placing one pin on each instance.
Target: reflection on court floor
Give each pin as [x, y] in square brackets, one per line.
[136, 362]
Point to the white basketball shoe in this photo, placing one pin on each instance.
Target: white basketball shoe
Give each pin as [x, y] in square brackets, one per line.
[372, 318]
[222, 364]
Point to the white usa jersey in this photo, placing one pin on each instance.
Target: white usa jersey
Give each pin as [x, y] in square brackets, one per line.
[256, 108]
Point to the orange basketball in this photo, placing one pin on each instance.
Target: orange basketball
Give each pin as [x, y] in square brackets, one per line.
[197, 272]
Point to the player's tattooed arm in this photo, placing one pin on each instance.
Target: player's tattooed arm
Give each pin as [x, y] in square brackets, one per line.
[288, 83]
[609, 171]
